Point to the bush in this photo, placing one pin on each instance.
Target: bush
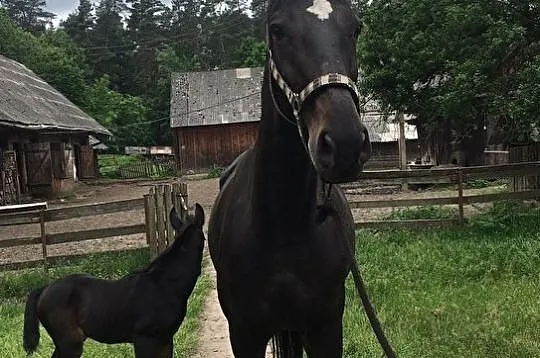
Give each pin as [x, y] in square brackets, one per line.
[215, 171]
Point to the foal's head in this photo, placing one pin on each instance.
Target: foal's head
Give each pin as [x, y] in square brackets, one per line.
[309, 39]
[189, 232]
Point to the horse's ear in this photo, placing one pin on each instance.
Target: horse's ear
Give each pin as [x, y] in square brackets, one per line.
[199, 215]
[175, 220]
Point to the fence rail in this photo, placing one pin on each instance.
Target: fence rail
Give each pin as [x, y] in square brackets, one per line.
[163, 198]
[459, 176]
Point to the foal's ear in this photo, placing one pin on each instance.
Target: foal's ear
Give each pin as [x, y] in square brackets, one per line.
[175, 220]
[199, 216]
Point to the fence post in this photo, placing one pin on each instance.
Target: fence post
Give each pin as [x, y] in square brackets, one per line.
[460, 196]
[43, 235]
[150, 219]
[168, 206]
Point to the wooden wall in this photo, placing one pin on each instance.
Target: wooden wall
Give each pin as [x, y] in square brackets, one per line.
[199, 148]
[386, 155]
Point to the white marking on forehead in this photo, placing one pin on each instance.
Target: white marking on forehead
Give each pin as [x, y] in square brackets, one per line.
[321, 8]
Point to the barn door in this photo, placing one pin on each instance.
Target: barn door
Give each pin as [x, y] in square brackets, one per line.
[9, 178]
[39, 164]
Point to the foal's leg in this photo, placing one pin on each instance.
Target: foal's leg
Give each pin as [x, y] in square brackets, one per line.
[66, 334]
[248, 341]
[149, 347]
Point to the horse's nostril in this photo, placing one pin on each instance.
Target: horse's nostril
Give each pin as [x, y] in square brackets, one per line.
[365, 147]
[326, 151]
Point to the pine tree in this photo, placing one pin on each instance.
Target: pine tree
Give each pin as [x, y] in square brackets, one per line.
[80, 24]
[29, 14]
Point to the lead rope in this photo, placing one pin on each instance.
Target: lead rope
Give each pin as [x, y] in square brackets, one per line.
[362, 292]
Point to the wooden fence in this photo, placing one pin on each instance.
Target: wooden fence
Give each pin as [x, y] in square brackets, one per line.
[157, 206]
[457, 175]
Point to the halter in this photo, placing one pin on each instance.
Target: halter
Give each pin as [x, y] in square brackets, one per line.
[296, 100]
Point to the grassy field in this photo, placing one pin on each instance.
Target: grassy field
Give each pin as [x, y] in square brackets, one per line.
[467, 292]
[15, 285]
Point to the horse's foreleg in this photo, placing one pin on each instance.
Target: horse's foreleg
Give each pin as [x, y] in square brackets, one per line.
[247, 341]
[324, 336]
[150, 347]
[325, 340]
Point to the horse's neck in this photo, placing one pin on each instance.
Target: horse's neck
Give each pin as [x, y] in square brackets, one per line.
[285, 181]
[170, 273]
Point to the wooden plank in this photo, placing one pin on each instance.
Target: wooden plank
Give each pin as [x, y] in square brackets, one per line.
[93, 209]
[160, 220]
[357, 204]
[168, 206]
[8, 209]
[460, 197]
[43, 235]
[19, 219]
[94, 234]
[503, 170]
[150, 219]
[11, 266]
[20, 241]
[407, 224]
[487, 198]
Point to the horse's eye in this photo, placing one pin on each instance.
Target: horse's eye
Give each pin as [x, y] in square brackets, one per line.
[276, 31]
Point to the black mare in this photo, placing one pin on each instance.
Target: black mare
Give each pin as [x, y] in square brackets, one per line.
[145, 308]
[278, 237]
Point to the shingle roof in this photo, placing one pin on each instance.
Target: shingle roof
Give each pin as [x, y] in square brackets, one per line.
[26, 101]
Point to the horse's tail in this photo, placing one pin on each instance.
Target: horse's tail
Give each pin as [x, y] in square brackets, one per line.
[287, 344]
[31, 321]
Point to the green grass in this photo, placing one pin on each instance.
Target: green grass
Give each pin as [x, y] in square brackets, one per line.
[109, 164]
[14, 286]
[467, 292]
[423, 212]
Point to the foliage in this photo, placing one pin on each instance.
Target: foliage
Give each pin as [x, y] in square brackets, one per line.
[459, 292]
[109, 164]
[215, 172]
[253, 52]
[30, 15]
[124, 115]
[15, 285]
[423, 212]
[461, 65]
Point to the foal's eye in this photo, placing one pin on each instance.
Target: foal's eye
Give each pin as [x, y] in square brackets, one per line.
[276, 31]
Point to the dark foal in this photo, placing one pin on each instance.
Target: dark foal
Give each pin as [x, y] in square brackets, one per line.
[279, 235]
[145, 308]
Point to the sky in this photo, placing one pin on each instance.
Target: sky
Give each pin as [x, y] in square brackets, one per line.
[62, 8]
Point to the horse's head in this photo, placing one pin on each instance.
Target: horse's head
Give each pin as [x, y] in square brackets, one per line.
[312, 47]
[190, 239]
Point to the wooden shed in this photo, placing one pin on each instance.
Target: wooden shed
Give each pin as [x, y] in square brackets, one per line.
[44, 138]
[215, 115]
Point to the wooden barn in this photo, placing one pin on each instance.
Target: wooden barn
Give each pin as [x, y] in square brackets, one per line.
[44, 138]
[215, 115]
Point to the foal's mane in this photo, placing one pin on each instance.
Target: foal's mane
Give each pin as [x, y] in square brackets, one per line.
[178, 242]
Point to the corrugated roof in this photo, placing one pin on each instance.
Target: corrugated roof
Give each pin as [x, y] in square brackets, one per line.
[26, 101]
[232, 96]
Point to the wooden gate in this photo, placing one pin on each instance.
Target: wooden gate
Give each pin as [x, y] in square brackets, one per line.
[157, 206]
[39, 164]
